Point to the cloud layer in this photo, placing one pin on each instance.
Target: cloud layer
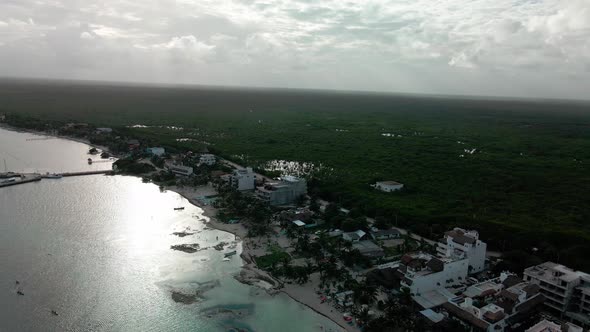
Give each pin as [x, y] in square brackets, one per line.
[535, 48]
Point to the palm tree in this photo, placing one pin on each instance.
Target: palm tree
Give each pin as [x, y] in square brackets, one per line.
[405, 295]
[363, 316]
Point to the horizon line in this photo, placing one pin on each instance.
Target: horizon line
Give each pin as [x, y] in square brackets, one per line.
[197, 86]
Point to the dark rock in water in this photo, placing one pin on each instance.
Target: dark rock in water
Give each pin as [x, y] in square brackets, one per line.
[183, 234]
[18, 282]
[20, 293]
[220, 245]
[179, 297]
[188, 248]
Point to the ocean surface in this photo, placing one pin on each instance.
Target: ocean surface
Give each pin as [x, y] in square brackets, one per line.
[96, 250]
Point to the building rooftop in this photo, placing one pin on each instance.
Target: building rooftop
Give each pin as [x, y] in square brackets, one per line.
[421, 263]
[368, 248]
[462, 236]
[298, 223]
[386, 232]
[552, 272]
[290, 178]
[356, 235]
[389, 183]
[466, 316]
[488, 287]
[434, 317]
[548, 326]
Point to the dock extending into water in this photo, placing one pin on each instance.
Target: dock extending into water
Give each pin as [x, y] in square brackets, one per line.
[21, 178]
[106, 172]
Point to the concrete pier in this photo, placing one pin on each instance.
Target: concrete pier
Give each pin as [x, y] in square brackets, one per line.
[33, 177]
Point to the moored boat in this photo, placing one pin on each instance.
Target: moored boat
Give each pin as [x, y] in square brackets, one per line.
[229, 254]
[52, 176]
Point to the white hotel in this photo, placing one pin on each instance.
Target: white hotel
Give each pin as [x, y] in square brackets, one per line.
[463, 241]
[566, 290]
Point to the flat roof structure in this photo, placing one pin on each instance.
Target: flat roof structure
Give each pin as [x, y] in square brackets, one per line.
[298, 223]
[550, 272]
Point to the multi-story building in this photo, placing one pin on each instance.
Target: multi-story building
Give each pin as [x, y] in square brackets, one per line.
[500, 304]
[463, 241]
[548, 326]
[567, 291]
[243, 179]
[283, 192]
[580, 308]
[207, 159]
[180, 170]
[423, 272]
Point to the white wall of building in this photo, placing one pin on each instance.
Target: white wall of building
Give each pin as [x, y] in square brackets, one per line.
[426, 283]
[207, 159]
[387, 187]
[243, 179]
[476, 252]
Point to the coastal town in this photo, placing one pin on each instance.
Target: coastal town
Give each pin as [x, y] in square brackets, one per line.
[364, 273]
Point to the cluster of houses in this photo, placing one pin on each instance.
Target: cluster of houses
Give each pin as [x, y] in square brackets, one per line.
[454, 284]
[445, 286]
[284, 191]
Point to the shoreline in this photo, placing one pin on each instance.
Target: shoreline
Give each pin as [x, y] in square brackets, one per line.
[42, 133]
[249, 273]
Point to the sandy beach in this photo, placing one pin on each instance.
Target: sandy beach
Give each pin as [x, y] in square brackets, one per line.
[251, 274]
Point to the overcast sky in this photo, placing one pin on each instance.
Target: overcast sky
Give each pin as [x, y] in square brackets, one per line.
[532, 48]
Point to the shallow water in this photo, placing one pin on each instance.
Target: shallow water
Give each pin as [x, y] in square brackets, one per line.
[96, 249]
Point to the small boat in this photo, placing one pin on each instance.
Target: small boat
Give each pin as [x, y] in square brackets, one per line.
[179, 208]
[229, 254]
[8, 181]
[54, 313]
[52, 176]
[226, 259]
[20, 293]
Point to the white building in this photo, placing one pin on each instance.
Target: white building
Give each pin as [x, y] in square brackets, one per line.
[500, 305]
[104, 130]
[156, 151]
[180, 170]
[462, 241]
[548, 326]
[424, 272]
[567, 291]
[388, 186]
[385, 234]
[284, 192]
[298, 223]
[243, 179]
[207, 159]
